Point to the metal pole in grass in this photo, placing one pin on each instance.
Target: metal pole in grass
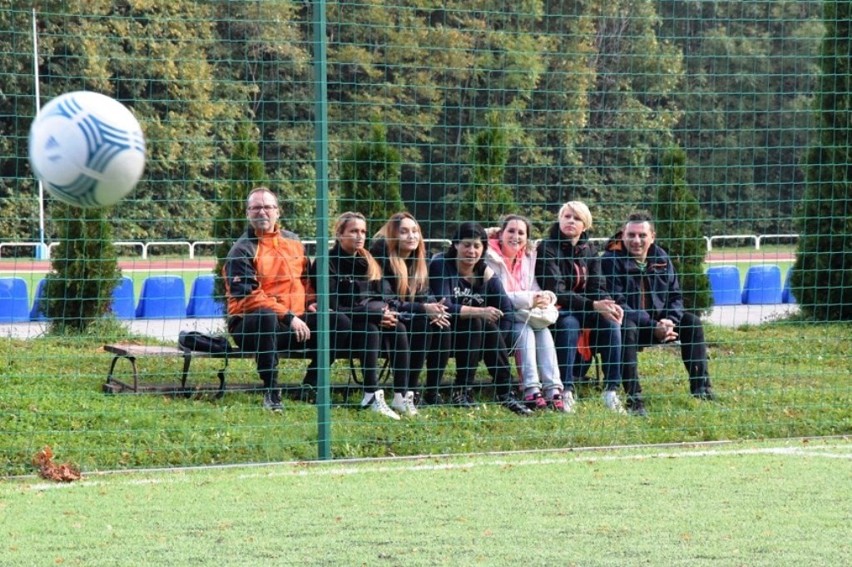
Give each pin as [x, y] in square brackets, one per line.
[321, 166]
[42, 251]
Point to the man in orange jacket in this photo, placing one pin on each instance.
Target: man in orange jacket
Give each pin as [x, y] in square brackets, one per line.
[268, 293]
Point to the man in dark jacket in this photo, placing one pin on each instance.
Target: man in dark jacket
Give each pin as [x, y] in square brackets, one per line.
[641, 278]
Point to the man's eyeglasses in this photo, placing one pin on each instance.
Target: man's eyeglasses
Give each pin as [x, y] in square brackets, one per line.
[258, 208]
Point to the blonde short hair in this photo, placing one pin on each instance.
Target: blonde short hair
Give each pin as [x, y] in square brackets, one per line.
[580, 209]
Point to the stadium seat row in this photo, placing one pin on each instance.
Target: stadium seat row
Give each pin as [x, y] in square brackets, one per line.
[762, 285]
[162, 297]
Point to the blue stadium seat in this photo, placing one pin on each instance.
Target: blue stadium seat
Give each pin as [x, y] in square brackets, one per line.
[725, 284]
[14, 300]
[124, 300]
[787, 293]
[37, 312]
[201, 299]
[762, 285]
[162, 297]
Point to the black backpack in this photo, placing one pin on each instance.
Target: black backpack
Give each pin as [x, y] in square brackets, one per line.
[199, 342]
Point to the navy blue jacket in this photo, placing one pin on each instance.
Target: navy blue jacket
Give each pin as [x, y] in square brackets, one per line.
[446, 284]
[658, 285]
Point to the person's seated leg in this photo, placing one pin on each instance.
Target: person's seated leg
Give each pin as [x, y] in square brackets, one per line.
[257, 333]
[606, 336]
[693, 351]
[467, 349]
[437, 357]
[566, 333]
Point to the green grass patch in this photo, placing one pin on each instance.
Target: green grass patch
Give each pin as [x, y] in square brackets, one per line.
[777, 380]
[731, 504]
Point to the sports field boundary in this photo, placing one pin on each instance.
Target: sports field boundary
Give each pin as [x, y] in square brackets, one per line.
[779, 446]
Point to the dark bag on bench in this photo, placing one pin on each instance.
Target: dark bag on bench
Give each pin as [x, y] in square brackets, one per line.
[199, 342]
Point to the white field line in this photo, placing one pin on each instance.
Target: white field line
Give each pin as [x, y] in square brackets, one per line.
[334, 468]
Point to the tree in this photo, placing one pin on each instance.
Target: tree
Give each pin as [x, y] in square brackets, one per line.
[245, 172]
[85, 271]
[369, 180]
[677, 218]
[822, 273]
[488, 198]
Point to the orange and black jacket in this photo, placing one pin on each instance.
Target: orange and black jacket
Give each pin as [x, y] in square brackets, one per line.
[645, 297]
[267, 272]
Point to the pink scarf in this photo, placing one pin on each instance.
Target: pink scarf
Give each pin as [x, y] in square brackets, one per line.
[514, 265]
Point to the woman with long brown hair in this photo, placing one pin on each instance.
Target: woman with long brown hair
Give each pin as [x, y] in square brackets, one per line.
[399, 249]
[357, 289]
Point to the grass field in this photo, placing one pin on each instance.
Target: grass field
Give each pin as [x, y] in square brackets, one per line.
[761, 503]
[774, 381]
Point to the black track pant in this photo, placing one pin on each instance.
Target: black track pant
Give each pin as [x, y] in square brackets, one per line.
[265, 335]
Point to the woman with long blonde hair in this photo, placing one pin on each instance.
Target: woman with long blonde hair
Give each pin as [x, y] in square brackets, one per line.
[399, 249]
[357, 289]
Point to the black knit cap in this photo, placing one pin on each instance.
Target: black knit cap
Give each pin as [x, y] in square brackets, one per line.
[469, 229]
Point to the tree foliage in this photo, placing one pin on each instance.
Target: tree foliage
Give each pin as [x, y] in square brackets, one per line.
[678, 220]
[822, 274]
[487, 198]
[369, 181]
[245, 172]
[590, 95]
[78, 290]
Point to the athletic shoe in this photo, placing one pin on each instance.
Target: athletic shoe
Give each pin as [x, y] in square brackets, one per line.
[535, 401]
[378, 404]
[514, 405]
[404, 404]
[464, 399]
[611, 401]
[432, 399]
[563, 402]
[707, 394]
[272, 400]
[635, 406]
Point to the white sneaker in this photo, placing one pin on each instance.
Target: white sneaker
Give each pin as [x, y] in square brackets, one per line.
[379, 405]
[611, 401]
[404, 405]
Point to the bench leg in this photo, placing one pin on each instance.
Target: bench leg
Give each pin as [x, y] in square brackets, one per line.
[187, 361]
[111, 384]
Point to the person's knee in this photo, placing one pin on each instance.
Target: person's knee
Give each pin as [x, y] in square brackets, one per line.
[629, 333]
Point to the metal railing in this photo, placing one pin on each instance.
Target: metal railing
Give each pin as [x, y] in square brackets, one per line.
[192, 247]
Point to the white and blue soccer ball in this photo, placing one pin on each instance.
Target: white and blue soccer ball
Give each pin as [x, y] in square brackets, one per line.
[87, 149]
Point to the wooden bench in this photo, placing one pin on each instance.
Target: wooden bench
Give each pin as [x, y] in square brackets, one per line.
[132, 352]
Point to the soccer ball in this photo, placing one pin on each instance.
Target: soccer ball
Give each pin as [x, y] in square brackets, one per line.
[87, 149]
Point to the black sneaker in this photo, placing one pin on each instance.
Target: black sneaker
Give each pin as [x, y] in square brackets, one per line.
[432, 399]
[464, 399]
[272, 400]
[514, 405]
[701, 390]
[706, 394]
[635, 406]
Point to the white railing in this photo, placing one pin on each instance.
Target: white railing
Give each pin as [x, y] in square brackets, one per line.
[143, 248]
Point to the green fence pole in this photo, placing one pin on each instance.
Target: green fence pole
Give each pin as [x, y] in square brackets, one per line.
[321, 160]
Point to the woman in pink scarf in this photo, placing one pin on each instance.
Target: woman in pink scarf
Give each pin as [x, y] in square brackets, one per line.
[512, 257]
